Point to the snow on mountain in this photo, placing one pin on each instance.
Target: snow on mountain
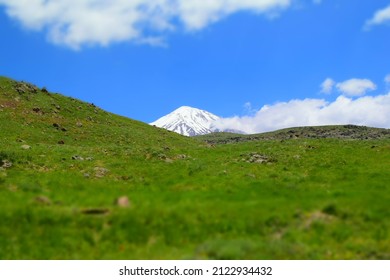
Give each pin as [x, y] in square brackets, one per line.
[188, 121]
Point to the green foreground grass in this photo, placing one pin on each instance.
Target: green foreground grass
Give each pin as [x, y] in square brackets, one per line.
[308, 199]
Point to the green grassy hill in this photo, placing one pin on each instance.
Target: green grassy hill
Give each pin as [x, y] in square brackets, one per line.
[64, 163]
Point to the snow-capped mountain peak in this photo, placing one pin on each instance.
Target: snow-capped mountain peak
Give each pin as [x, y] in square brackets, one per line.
[188, 121]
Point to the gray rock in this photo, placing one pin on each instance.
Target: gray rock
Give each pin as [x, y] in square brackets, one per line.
[100, 172]
[182, 156]
[78, 158]
[23, 87]
[6, 164]
[258, 158]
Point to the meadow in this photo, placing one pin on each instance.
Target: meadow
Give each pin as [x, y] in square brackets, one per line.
[64, 163]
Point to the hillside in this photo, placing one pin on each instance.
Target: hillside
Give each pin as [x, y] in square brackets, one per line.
[77, 182]
[33, 115]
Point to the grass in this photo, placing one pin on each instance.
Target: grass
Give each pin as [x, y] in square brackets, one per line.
[308, 199]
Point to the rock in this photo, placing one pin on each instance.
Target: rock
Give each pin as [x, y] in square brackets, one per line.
[59, 127]
[182, 156]
[162, 156]
[100, 172]
[44, 200]
[79, 124]
[258, 158]
[6, 164]
[25, 147]
[61, 142]
[123, 202]
[23, 87]
[78, 158]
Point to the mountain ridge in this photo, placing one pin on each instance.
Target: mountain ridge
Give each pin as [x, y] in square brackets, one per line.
[346, 132]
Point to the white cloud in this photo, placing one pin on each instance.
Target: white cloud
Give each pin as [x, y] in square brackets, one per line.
[327, 86]
[197, 14]
[248, 109]
[368, 110]
[356, 87]
[380, 17]
[75, 23]
[387, 79]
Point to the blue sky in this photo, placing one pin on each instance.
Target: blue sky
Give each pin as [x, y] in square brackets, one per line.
[144, 59]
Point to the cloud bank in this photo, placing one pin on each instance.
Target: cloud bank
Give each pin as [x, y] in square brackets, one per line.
[75, 23]
[368, 110]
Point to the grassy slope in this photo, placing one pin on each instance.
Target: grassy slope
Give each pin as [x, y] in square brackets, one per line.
[313, 199]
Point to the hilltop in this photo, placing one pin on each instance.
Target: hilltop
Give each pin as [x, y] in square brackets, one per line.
[77, 182]
[187, 121]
